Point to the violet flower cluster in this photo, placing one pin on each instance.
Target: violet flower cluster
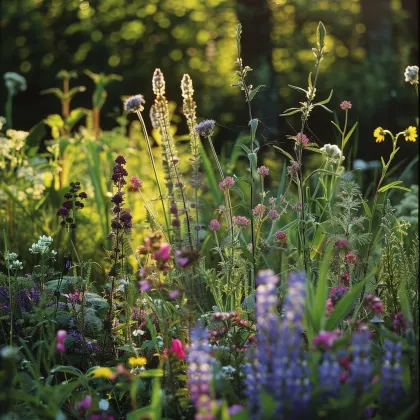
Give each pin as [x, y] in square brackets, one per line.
[200, 372]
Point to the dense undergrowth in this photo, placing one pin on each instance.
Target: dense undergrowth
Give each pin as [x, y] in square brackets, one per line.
[165, 280]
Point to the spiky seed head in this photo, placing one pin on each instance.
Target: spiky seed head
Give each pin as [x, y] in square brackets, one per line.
[158, 83]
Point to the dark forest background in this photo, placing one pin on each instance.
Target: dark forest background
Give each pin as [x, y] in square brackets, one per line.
[370, 43]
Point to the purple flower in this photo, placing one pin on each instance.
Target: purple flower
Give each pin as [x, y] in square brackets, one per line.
[325, 340]
[273, 214]
[214, 225]
[120, 160]
[281, 237]
[360, 368]
[134, 103]
[200, 370]
[144, 285]
[240, 221]
[205, 128]
[227, 183]
[263, 171]
[329, 376]
[391, 373]
[85, 403]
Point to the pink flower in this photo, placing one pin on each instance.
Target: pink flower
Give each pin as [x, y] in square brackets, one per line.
[174, 294]
[281, 237]
[293, 168]
[214, 225]
[61, 336]
[345, 105]
[273, 214]
[398, 322]
[85, 403]
[345, 279]
[263, 171]
[350, 258]
[227, 183]
[240, 221]
[144, 285]
[163, 254]
[302, 139]
[374, 304]
[136, 183]
[176, 348]
[259, 210]
[325, 340]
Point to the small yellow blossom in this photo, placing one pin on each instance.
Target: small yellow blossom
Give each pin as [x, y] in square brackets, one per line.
[402, 226]
[410, 134]
[379, 134]
[137, 361]
[103, 372]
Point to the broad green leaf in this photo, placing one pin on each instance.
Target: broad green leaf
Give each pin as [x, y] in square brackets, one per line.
[254, 124]
[34, 138]
[254, 92]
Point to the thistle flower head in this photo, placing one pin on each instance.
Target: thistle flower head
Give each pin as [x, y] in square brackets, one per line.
[411, 75]
[281, 237]
[227, 183]
[134, 103]
[263, 171]
[240, 221]
[345, 105]
[158, 83]
[205, 128]
[214, 225]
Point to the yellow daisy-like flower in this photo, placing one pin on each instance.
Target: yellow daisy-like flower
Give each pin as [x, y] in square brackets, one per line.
[410, 134]
[103, 372]
[379, 134]
[137, 361]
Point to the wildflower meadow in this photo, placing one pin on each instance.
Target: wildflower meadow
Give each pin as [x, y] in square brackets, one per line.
[145, 274]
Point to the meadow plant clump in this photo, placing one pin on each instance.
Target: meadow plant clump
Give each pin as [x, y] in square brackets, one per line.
[271, 293]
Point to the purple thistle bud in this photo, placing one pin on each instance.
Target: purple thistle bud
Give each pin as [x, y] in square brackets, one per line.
[205, 128]
[273, 214]
[263, 171]
[214, 225]
[240, 221]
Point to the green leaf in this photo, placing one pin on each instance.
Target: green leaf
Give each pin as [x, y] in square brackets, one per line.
[321, 33]
[347, 138]
[254, 124]
[290, 111]
[285, 153]
[74, 117]
[34, 138]
[298, 88]
[254, 92]
[325, 101]
[394, 184]
[321, 291]
[344, 305]
[326, 109]
[310, 80]
[367, 210]
[336, 126]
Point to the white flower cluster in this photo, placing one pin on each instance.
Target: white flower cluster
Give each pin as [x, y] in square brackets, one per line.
[411, 74]
[12, 263]
[42, 246]
[333, 152]
[14, 82]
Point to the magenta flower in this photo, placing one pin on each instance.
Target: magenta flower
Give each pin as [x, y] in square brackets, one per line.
[59, 344]
[174, 294]
[263, 171]
[214, 225]
[176, 348]
[345, 279]
[136, 183]
[350, 258]
[345, 105]
[164, 253]
[144, 285]
[85, 403]
[374, 304]
[273, 214]
[341, 244]
[281, 237]
[325, 340]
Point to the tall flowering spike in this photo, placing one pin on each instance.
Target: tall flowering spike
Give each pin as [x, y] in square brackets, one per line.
[295, 299]
[154, 116]
[158, 83]
[360, 368]
[187, 87]
[200, 372]
[391, 373]
[329, 375]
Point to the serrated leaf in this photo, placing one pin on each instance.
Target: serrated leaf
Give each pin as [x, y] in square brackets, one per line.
[254, 92]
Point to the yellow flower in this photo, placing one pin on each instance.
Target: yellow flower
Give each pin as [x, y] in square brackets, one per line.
[410, 134]
[137, 361]
[103, 372]
[379, 134]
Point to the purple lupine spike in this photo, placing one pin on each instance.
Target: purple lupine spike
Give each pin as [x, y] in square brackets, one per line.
[200, 371]
[391, 373]
[360, 368]
[329, 375]
[252, 388]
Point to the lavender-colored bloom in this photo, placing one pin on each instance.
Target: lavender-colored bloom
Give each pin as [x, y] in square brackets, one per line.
[252, 389]
[134, 103]
[200, 371]
[391, 373]
[329, 375]
[205, 128]
[360, 368]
